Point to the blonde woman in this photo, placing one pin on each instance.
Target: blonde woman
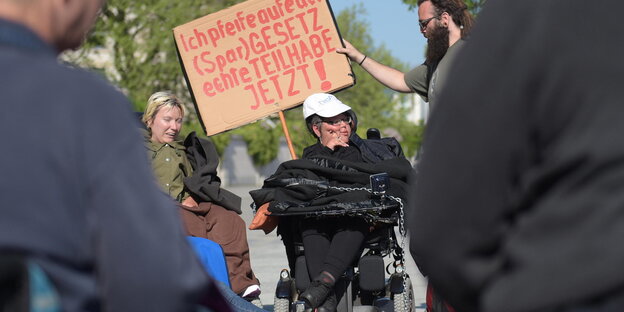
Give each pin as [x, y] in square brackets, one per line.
[208, 210]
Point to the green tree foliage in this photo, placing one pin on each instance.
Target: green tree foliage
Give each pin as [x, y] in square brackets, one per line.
[262, 140]
[474, 6]
[375, 105]
[136, 41]
[135, 38]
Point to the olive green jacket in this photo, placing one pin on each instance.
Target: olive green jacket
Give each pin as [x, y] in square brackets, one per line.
[170, 166]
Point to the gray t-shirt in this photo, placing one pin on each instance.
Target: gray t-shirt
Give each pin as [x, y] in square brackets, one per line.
[416, 78]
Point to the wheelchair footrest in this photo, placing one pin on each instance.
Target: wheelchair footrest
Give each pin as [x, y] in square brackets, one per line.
[371, 269]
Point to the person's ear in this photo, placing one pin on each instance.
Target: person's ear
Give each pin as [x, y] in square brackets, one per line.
[317, 130]
[445, 19]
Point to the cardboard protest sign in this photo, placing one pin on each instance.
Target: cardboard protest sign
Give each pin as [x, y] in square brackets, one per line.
[260, 57]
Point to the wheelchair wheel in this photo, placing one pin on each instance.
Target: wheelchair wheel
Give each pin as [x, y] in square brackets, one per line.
[285, 292]
[404, 301]
[281, 305]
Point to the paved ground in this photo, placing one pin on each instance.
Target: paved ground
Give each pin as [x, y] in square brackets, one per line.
[268, 257]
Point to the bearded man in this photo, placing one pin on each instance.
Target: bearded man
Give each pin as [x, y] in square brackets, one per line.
[445, 23]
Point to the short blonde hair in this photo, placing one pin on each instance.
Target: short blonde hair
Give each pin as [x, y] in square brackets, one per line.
[159, 100]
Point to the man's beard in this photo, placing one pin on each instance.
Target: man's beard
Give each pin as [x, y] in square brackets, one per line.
[437, 44]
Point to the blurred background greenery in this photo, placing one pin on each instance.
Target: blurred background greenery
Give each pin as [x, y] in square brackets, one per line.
[132, 47]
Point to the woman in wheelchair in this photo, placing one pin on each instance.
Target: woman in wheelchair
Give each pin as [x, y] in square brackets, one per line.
[340, 158]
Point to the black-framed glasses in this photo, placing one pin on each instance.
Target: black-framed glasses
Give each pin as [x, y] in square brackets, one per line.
[423, 23]
[334, 122]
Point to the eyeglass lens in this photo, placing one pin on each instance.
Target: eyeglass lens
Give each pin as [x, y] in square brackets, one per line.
[425, 22]
[346, 120]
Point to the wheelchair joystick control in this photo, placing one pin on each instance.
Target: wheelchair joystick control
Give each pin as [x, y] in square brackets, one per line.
[379, 183]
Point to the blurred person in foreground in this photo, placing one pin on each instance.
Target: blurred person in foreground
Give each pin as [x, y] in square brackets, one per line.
[518, 198]
[446, 24]
[77, 200]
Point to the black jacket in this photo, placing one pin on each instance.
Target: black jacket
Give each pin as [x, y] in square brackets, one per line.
[204, 185]
[370, 151]
[310, 184]
[519, 201]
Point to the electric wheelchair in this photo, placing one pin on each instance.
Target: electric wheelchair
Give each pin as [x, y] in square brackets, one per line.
[370, 283]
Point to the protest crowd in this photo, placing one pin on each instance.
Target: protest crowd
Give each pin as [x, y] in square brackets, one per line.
[513, 203]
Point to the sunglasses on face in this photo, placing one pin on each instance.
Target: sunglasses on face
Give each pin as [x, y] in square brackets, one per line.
[335, 122]
[423, 23]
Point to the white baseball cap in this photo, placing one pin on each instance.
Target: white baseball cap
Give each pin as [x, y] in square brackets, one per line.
[324, 105]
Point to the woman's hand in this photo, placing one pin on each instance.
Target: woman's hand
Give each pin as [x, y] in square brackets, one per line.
[336, 139]
[190, 202]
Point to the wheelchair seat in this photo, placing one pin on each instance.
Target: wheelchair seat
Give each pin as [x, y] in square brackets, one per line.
[365, 279]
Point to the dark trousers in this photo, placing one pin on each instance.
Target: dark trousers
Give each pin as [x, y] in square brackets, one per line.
[332, 244]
